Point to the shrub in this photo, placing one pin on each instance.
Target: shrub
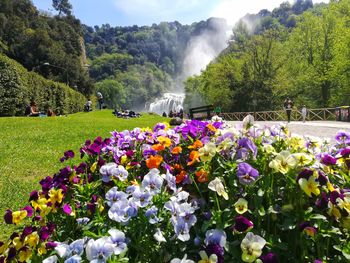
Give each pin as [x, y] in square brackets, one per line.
[18, 87]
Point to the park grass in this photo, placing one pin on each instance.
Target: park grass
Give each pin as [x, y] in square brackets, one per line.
[30, 149]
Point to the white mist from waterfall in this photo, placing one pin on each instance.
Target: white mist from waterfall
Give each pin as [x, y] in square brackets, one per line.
[200, 51]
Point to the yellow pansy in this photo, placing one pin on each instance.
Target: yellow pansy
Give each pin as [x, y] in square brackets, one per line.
[309, 186]
[344, 204]
[333, 210]
[205, 259]
[283, 162]
[32, 239]
[56, 196]
[17, 243]
[42, 249]
[3, 247]
[18, 216]
[93, 167]
[296, 142]
[164, 141]
[124, 159]
[303, 158]
[207, 152]
[241, 206]
[24, 255]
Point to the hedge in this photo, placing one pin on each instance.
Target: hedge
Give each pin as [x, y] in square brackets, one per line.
[18, 87]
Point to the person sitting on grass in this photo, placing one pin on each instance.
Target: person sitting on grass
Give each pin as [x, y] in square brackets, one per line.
[33, 110]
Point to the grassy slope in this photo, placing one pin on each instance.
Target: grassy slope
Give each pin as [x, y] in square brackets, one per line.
[30, 149]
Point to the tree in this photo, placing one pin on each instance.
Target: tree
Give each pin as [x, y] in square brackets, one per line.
[62, 6]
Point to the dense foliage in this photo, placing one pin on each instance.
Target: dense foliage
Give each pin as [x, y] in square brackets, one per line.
[195, 193]
[145, 60]
[19, 86]
[34, 38]
[307, 60]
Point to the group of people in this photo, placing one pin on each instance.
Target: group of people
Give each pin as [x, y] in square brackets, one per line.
[126, 114]
[174, 114]
[288, 106]
[33, 111]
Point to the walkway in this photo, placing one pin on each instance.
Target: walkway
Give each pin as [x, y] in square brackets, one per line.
[322, 129]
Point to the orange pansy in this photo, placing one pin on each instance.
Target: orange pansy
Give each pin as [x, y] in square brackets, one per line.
[196, 145]
[158, 147]
[211, 127]
[194, 157]
[202, 176]
[176, 150]
[180, 177]
[154, 161]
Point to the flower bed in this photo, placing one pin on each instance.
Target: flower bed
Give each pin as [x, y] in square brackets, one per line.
[195, 193]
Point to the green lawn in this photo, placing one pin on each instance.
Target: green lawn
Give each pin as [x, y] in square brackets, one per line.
[30, 149]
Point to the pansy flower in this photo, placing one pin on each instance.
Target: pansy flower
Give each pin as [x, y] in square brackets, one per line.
[283, 162]
[241, 206]
[154, 161]
[217, 186]
[252, 246]
[309, 186]
[207, 152]
[246, 173]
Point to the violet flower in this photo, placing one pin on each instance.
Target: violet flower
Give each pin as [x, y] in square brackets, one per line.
[242, 224]
[246, 174]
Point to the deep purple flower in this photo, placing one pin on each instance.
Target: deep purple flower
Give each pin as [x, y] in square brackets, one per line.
[322, 202]
[217, 250]
[29, 210]
[305, 173]
[328, 160]
[207, 215]
[322, 178]
[81, 168]
[242, 224]
[67, 155]
[44, 233]
[318, 261]
[269, 258]
[303, 225]
[67, 209]
[11, 254]
[37, 218]
[246, 174]
[334, 195]
[26, 231]
[50, 245]
[33, 196]
[8, 216]
[46, 184]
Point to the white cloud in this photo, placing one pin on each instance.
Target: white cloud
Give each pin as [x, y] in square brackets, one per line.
[157, 8]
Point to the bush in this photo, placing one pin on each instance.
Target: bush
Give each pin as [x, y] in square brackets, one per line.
[18, 87]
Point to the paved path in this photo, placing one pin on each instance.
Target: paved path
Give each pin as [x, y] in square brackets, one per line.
[322, 129]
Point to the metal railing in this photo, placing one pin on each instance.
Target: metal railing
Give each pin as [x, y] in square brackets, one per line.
[322, 114]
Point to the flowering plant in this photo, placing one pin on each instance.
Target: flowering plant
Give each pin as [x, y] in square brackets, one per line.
[199, 192]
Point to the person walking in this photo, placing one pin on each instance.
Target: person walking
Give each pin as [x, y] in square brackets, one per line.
[100, 99]
[303, 112]
[288, 105]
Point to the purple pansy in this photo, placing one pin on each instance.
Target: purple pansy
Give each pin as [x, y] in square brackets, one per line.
[242, 224]
[246, 174]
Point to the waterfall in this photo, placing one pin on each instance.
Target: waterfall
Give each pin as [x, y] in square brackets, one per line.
[169, 101]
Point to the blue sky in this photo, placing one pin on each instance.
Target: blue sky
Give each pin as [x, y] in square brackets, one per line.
[147, 12]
